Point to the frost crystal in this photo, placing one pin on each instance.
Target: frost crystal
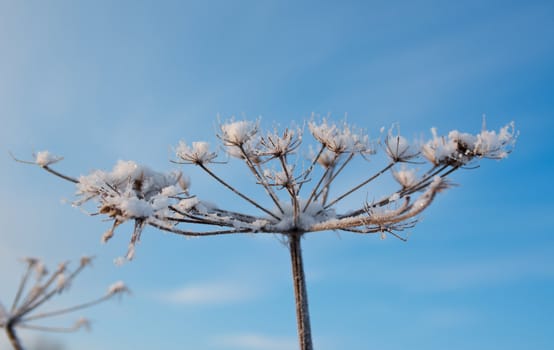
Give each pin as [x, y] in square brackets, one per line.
[340, 140]
[406, 177]
[45, 158]
[199, 153]
[398, 148]
[460, 148]
[238, 133]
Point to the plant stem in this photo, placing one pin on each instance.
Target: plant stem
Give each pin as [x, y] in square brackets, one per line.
[12, 336]
[300, 293]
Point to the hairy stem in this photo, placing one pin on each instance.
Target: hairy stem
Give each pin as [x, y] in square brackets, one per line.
[300, 293]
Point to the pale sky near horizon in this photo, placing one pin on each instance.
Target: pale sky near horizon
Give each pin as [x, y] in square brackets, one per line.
[101, 81]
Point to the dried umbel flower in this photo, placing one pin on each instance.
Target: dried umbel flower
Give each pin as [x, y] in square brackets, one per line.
[45, 158]
[237, 133]
[118, 287]
[198, 153]
[29, 299]
[398, 148]
[300, 197]
[406, 177]
[275, 145]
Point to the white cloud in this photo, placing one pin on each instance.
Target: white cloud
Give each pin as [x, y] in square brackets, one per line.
[210, 293]
[256, 341]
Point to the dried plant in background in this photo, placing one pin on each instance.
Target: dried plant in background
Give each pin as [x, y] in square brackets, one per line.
[299, 192]
[24, 312]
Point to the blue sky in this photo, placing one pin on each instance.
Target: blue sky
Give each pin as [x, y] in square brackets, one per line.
[103, 81]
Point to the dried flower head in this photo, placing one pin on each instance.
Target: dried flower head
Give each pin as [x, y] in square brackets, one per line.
[30, 298]
[199, 153]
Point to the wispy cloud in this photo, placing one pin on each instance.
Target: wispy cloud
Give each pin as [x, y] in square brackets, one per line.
[255, 341]
[210, 293]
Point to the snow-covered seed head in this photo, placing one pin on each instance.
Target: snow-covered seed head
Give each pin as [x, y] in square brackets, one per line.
[238, 133]
[440, 150]
[340, 140]
[276, 145]
[460, 148]
[398, 148]
[86, 260]
[326, 158]
[405, 177]
[45, 158]
[490, 144]
[199, 153]
[184, 182]
[280, 178]
[40, 270]
[61, 282]
[118, 287]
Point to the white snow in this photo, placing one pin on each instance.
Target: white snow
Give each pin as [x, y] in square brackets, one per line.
[117, 287]
[275, 144]
[463, 147]
[493, 145]
[405, 176]
[438, 149]
[280, 177]
[314, 214]
[61, 282]
[340, 140]
[239, 132]
[199, 153]
[135, 190]
[135, 208]
[45, 158]
[398, 148]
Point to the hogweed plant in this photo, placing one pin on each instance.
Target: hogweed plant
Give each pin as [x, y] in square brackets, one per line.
[297, 186]
[24, 312]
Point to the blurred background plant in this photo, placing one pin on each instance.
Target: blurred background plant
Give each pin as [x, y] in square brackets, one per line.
[38, 287]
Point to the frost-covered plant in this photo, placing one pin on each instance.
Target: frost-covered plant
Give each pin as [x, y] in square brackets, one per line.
[24, 311]
[299, 196]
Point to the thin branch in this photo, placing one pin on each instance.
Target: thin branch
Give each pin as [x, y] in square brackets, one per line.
[193, 219]
[341, 197]
[58, 174]
[41, 290]
[49, 329]
[221, 181]
[22, 284]
[198, 234]
[421, 184]
[47, 168]
[68, 309]
[332, 178]
[291, 190]
[312, 165]
[260, 178]
[33, 305]
[316, 188]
